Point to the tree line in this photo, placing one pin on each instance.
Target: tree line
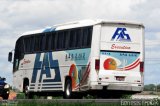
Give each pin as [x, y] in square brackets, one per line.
[152, 87]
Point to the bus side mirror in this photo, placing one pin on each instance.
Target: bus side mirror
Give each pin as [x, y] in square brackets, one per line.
[10, 57]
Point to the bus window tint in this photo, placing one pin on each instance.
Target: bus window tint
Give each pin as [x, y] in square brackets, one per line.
[31, 44]
[39, 43]
[89, 37]
[78, 38]
[60, 39]
[72, 39]
[36, 43]
[85, 34]
[66, 39]
[54, 41]
[48, 41]
[28, 44]
[42, 42]
[19, 53]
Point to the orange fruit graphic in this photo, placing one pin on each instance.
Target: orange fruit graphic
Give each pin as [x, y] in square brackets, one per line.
[110, 64]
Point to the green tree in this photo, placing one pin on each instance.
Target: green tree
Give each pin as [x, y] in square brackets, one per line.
[150, 87]
[158, 87]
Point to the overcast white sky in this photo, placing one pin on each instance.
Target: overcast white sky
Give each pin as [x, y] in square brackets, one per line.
[18, 16]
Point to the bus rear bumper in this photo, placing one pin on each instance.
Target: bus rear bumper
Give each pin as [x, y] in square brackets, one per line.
[116, 86]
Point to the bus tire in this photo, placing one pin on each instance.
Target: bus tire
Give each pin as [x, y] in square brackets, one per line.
[28, 94]
[68, 89]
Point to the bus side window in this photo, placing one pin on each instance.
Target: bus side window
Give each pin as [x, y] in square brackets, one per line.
[48, 41]
[84, 41]
[29, 44]
[36, 43]
[39, 43]
[78, 38]
[42, 42]
[54, 41]
[26, 42]
[72, 39]
[89, 37]
[66, 40]
[19, 53]
[60, 40]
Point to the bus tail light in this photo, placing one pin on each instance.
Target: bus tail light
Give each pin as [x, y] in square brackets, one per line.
[141, 66]
[97, 64]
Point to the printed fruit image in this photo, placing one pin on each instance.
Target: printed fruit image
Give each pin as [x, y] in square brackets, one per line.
[74, 75]
[110, 64]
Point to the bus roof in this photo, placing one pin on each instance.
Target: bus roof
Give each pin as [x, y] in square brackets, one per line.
[81, 23]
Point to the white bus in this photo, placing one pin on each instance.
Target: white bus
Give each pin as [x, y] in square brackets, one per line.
[80, 56]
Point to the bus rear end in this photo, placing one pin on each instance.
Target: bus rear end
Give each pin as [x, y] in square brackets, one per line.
[121, 57]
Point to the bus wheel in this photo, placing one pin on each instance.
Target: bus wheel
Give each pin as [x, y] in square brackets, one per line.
[28, 94]
[68, 89]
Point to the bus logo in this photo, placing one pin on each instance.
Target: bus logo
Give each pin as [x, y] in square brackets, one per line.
[120, 35]
[46, 67]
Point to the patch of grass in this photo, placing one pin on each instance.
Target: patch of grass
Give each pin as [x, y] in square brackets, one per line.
[154, 102]
[20, 96]
[57, 97]
[65, 104]
[126, 96]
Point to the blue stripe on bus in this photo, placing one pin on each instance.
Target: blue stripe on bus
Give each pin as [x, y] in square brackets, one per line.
[47, 69]
[49, 29]
[37, 66]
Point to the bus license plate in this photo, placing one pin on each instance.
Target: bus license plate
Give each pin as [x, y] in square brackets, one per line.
[119, 78]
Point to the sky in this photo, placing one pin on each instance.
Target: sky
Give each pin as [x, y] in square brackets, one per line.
[19, 16]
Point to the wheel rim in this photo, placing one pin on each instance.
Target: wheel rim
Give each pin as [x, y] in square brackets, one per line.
[68, 90]
[26, 89]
